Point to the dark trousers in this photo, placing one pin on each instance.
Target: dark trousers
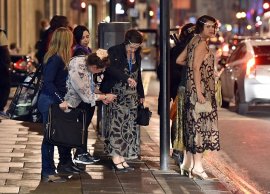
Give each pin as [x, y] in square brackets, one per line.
[89, 115]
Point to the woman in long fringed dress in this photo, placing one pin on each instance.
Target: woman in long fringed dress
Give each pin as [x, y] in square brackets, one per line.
[200, 129]
[187, 33]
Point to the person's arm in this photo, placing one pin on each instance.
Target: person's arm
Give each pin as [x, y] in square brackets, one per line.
[53, 65]
[199, 54]
[140, 85]
[181, 59]
[113, 70]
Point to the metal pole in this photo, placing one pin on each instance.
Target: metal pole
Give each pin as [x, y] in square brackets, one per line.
[112, 10]
[165, 91]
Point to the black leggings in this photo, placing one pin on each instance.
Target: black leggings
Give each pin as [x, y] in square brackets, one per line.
[89, 115]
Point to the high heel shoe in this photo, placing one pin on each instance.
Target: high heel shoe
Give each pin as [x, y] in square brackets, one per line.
[116, 168]
[199, 175]
[184, 170]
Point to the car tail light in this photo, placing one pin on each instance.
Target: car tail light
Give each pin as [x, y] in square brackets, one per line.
[20, 65]
[250, 71]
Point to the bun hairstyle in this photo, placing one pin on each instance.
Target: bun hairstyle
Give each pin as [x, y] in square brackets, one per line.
[203, 20]
[133, 36]
[93, 59]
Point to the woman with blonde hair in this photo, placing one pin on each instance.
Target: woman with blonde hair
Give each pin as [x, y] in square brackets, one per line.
[55, 73]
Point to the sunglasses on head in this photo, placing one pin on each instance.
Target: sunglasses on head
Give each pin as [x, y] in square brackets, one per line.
[214, 25]
[134, 44]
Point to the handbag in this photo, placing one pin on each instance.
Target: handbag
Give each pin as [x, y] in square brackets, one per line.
[203, 108]
[143, 115]
[65, 128]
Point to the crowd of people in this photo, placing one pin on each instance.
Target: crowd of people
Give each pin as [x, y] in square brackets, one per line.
[68, 69]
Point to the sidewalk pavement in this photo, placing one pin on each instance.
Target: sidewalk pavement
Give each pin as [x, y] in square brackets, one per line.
[20, 165]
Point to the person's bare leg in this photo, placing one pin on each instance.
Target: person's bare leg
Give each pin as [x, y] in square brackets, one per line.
[117, 160]
[125, 164]
[187, 164]
[198, 170]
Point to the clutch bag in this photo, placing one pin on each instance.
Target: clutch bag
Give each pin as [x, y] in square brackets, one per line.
[203, 108]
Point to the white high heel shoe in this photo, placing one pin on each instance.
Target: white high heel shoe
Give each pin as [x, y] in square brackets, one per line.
[185, 171]
[199, 175]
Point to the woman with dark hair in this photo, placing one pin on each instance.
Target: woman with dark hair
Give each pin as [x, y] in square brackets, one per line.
[200, 127]
[82, 38]
[123, 78]
[79, 86]
[178, 91]
[83, 94]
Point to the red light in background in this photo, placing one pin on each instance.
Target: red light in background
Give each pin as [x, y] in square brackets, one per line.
[250, 71]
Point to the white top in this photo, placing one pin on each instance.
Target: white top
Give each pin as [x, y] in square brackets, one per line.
[80, 83]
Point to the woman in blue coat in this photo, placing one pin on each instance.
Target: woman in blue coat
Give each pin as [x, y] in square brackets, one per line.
[53, 91]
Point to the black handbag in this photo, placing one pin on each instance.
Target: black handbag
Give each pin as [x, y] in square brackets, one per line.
[64, 127]
[143, 115]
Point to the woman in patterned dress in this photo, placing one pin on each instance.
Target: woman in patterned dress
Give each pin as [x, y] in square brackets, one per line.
[123, 78]
[200, 130]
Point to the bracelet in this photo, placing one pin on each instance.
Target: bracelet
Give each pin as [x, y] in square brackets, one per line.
[105, 97]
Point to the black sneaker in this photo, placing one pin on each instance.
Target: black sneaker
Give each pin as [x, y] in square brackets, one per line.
[84, 159]
[95, 159]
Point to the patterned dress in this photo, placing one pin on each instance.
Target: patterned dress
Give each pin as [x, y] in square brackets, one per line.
[122, 135]
[200, 130]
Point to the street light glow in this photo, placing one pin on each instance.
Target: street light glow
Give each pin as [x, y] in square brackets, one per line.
[83, 5]
[240, 15]
[266, 6]
[229, 27]
[119, 9]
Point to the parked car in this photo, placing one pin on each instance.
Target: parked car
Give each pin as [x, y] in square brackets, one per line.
[246, 78]
[20, 67]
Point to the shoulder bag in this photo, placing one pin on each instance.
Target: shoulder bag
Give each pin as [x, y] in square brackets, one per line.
[64, 127]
